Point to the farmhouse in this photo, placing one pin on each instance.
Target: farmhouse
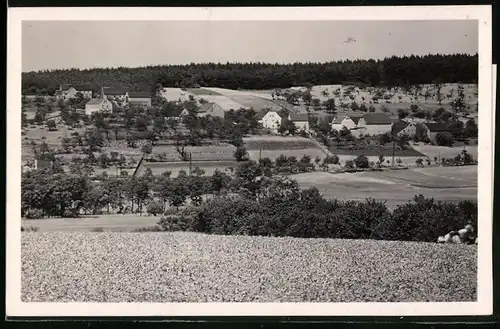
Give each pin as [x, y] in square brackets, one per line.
[139, 98]
[434, 128]
[117, 94]
[375, 123]
[349, 122]
[269, 119]
[401, 128]
[98, 105]
[301, 121]
[67, 91]
[211, 109]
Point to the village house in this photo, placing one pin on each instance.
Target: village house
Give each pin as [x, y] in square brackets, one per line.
[301, 121]
[401, 128]
[101, 104]
[269, 119]
[433, 129]
[117, 94]
[67, 91]
[349, 122]
[139, 98]
[98, 105]
[211, 109]
[375, 123]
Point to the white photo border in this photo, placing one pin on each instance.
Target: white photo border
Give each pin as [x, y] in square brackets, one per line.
[486, 121]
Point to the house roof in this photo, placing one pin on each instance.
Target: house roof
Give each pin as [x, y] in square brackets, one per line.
[95, 101]
[436, 127]
[114, 91]
[261, 114]
[176, 112]
[205, 107]
[83, 87]
[354, 117]
[137, 102]
[398, 126]
[377, 119]
[139, 94]
[299, 117]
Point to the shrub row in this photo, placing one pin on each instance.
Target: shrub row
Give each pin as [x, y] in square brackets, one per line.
[307, 214]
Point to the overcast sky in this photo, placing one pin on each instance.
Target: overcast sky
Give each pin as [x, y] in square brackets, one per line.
[89, 44]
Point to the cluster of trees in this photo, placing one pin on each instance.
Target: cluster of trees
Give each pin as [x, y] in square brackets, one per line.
[288, 211]
[52, 192]
[264, 205]
[391, 71]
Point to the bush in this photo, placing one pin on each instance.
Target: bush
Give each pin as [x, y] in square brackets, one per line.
[172, 223]
[425, 220]
[241, 154]
[361, 161]
[349, 164]
[155, 228]
[444, 139]
[29, 229]
[333, 159]
[97, 229]
[154, 208]
[34, 214]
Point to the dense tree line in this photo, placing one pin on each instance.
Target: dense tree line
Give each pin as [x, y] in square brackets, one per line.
[391, 71]
[306, 214]
[261, 204]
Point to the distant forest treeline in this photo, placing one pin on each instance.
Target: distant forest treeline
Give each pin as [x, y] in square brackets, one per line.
[392, 71]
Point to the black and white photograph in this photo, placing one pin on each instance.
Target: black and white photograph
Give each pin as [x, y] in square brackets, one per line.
[250, 161]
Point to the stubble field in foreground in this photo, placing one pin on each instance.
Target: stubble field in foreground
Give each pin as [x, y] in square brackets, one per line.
[189, 267]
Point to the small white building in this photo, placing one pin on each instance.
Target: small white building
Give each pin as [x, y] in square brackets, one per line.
[98, 105]
[375, 123]
[269, 119]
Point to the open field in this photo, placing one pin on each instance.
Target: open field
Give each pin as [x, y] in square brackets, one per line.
[273, 146]
[392, 99]
[114, 223]
[190, 267]
[226, 103]
[432, 151]
[255, 102]
[298, 153]
[276, 143]
[397, 187]
[202, 92]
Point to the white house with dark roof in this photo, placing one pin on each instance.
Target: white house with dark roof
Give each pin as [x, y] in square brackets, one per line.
[345, 121]
[269, 119]
[301, 121]
[211, 109]
[68, 91]
[432, 129]
[375, 123]
[101, 104]
[116, 94]
[139, 98]
[401, 128]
